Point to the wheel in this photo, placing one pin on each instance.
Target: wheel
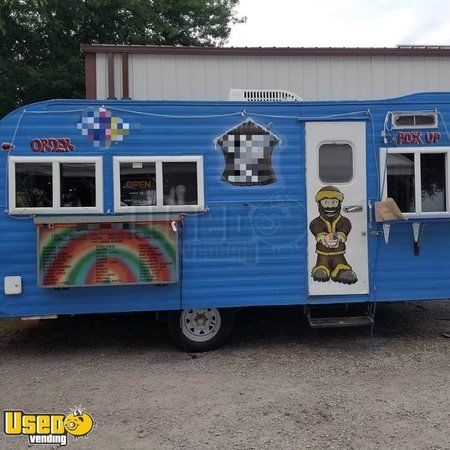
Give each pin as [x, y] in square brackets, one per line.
[200, 329]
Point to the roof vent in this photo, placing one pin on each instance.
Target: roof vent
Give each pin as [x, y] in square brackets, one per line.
[263, 95]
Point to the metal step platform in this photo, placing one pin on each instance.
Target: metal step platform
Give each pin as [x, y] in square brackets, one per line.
[363, 315]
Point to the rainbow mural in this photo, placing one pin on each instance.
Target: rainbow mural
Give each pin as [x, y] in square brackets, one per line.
[107, 254]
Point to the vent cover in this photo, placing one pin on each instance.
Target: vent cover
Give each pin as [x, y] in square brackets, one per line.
[263, 95]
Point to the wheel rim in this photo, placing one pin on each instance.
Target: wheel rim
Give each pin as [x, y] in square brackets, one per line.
[200, 324]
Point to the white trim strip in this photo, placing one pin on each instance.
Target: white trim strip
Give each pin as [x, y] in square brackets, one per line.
[159, 185]
[417, 183]
[56, 184]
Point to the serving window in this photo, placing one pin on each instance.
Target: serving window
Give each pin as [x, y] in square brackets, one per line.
[180, 183]
[417, 179]
[34, 185]
[77, 185]
[137, 184]
[55, 185]
[145, 184]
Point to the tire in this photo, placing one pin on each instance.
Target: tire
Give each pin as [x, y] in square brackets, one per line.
[200, 329]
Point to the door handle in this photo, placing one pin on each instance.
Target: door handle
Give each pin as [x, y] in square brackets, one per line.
[353, 209]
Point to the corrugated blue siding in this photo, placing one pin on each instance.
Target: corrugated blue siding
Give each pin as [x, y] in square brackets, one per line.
[249, 248]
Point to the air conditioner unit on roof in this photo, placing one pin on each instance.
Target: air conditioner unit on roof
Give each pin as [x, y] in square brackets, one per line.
[263, 95]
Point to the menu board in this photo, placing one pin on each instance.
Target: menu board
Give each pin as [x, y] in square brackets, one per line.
[107, 254]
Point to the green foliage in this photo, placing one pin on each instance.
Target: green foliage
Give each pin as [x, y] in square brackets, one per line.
[40, 40]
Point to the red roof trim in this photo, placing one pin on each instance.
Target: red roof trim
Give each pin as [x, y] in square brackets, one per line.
[270, 51]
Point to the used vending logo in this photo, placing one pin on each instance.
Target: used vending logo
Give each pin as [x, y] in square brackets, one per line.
[48, 428]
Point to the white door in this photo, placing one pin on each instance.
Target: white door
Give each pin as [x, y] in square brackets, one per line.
[336, 206]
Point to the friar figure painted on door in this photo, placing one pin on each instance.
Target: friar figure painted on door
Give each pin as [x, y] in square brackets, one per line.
[331, 231]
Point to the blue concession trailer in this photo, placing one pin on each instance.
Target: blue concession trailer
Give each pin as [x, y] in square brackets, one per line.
[200, 208]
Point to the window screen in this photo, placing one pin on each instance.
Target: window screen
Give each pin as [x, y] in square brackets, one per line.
[400, 180]
[180, 183]
[137, 184]
[77, 184]
[34, 185]
[335, 163]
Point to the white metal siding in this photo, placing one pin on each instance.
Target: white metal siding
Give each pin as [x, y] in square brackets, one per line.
[210, 77]
[102, 75]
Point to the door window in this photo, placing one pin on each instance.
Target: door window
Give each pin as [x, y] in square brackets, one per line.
[335, 163]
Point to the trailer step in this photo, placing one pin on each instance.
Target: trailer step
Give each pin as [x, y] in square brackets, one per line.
[336, 322]
[340, 321]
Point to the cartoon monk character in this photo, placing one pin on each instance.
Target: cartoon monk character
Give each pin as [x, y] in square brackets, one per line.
[331, 230]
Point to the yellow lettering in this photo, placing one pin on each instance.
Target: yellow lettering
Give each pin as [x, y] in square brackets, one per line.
[43, 424]
[16, 422]
[58, 424]
[29, 424]
[13, 422]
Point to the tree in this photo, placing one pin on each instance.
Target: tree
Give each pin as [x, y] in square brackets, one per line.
[40, 40]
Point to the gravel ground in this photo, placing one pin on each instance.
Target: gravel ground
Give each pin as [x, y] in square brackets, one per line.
[276, 384]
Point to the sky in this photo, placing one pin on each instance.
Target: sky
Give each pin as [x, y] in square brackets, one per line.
[346, 23]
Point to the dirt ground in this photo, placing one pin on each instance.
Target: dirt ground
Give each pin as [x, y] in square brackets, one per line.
[276, 384]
